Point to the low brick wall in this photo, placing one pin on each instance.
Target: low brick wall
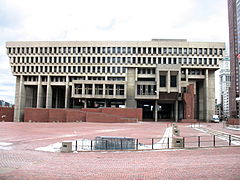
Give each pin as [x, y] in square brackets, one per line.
[6, 114]
[188, 120]
[108, 115]
[233, 121]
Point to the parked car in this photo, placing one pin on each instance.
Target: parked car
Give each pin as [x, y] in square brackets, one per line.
[215, 119]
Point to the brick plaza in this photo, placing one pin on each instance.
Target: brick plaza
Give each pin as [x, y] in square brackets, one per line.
[20, 160]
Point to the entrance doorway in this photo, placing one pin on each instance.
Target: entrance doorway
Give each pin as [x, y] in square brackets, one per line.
[166, 111]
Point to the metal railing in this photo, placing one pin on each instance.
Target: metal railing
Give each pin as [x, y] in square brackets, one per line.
[207, 141]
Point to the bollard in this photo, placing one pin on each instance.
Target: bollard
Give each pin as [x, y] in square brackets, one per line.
[76, 146]
[229, 140]
[168, 142]
[91, 145]
[137, 144]
[152, 143]
[214, 140]
[199, 141]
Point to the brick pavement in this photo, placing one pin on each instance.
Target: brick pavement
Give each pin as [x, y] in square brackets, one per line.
[23, 162]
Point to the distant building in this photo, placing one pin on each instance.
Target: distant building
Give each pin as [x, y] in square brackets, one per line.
[5, 104]
[234, 42]
[152, 75]
[225, 83]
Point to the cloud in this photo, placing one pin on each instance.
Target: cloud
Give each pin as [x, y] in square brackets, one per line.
[28, 20]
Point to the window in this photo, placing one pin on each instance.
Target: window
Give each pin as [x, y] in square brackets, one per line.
[162, 81]
[119, 50]
[180, 50]
[173, 81]
[109, 89]
[88, 89]
[134, 50]
[98, 89]
[119, 89]
[78, 88]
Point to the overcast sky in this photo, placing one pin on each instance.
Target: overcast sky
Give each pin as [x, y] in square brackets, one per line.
[47, 20]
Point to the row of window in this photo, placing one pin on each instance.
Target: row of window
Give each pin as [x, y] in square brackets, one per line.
[115, 60]
[114, 50]
[98, 89]
[70, 69]
[71, 78]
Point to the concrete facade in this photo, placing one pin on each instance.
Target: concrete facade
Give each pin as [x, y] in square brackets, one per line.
[152, 75]
[225, 82]
[234, 48]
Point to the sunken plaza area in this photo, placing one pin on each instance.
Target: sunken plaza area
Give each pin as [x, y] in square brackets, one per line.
[22, 153]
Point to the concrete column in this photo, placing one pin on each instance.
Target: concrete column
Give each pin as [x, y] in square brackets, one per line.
[49, 94]
[67, 93]
[206, 96]
[176, 111]
[114, 90]
[156, 111]
[179, 81]
[39, 93]
[168, 81]
[83, 90]
[85, 103]
[93, 90]
[19, 99]
[104, 91]
[187, 76]
[131, 77]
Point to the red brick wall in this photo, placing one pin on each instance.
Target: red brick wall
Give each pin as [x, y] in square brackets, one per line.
[36, 115]
[107, 118]
[73, 115]
[6, 114]
[232, 121]
[57, 115]
[189, 102]
[84, 115]
[91, 109]
[124, 112]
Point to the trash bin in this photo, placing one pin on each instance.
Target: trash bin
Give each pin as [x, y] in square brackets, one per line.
[66, 146]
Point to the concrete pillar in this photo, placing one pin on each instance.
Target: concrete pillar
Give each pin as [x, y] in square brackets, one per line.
[176, 111]
[206, 96]
[104, 92]
[187, 76]
[49, 94]
[168, 81]
[211, 94]
[93, 90]
[85, 103]
[39, 93]
[156, 111]
[179, 81]
[19, 99]
[114, 90]
[131, 76]
[67, 93]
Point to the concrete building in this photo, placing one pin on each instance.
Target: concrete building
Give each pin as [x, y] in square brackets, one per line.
[225, 82]
[153, 75]
[234, 42]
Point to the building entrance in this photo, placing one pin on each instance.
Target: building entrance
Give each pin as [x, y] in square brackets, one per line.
[166, 111]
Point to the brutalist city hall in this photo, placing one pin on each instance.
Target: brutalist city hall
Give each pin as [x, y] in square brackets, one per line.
[170, 79]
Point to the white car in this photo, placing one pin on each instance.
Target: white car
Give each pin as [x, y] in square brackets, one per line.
[215, 119]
